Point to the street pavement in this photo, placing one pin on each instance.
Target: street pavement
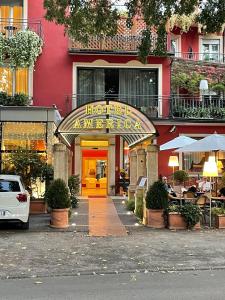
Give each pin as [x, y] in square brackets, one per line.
[33, 254]
[201, 285]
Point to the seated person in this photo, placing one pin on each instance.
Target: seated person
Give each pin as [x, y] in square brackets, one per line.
[204, 185]
[168, 187]
[222, 192]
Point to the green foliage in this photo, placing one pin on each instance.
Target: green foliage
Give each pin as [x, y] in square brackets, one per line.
[19, 99]
[157, 196]
[57, 195]
[139, 208]
[187, 81]
[74, 188]
[191, 214]
[216, 211]
[130, 204]
[180, 176]
[24, 48]
[218, 87]
[85, 18]
[28, 164]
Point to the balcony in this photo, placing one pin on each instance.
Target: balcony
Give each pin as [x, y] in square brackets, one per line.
[205, 108]
[126, 41]
[151, 105]
[154, 106]
[8, 27]
[210, 58]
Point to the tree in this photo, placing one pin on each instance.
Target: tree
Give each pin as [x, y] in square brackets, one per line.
[82, 18]
[29, 165]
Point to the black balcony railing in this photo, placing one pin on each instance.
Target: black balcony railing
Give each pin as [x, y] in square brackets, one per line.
[8, 27]
[206, 57]
[205, 107]
[151, 105]
[154, 106]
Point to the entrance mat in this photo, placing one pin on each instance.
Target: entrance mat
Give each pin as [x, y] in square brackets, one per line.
[92, 196]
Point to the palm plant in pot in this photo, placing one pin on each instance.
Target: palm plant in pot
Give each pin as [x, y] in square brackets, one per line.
[156, 203]
[58, 199]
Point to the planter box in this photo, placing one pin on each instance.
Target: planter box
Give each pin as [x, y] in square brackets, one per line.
[177, 222]
[220, 221]
[155, 218]
[59, 218]
[38, 207]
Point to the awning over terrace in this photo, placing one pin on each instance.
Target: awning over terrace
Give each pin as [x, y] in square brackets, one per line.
[106, 117]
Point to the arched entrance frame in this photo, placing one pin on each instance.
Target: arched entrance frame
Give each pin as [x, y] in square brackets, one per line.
[108, 118]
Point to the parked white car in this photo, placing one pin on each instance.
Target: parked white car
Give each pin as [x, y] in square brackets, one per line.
[14, 200]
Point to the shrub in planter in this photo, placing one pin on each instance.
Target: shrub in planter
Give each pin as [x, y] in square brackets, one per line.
[191, 214]
[180, 176]
[20, 99]
[4, 98]
[156, 202]
[58, 199]
[219, 216]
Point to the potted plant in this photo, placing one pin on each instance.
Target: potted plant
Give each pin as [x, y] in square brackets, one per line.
[58, 199]
[175, 219]
[156, 202]
[191, 214]
[219, 215]
[184, 217]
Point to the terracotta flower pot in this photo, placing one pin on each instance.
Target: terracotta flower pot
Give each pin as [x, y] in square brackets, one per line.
[59, 218]
[176, 221]
[220, 221]
[155, 218]
[37, 207]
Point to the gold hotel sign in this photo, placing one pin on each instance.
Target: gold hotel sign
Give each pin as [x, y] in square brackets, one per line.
[107, 116]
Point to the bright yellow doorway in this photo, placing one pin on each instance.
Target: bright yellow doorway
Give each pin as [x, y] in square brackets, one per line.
[94, 172]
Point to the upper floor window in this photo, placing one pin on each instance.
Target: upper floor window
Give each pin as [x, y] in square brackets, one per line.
[14, 81]
[12, 9]
[211, 50]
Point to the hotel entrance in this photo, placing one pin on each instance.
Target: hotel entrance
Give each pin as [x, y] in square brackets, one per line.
[94, 168]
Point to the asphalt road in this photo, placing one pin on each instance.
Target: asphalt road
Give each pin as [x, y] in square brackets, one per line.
[207, 285]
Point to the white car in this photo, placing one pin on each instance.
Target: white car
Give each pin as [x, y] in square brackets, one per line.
[14, 200]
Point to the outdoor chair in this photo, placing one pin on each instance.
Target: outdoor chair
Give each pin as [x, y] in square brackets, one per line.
[189, 195]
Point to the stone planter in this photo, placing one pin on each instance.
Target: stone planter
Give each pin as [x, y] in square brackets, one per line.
[59, 218]
[220, 221]
[155, 218]
[38, 207]
[177, 222]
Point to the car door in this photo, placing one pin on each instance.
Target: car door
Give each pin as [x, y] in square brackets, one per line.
[9, 189]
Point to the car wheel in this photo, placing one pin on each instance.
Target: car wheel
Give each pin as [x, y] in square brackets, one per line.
[25, 225]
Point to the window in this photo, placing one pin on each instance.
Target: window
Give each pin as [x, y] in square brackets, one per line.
[9, 186]
[12, 9]
[21, 135]
[16, 81]
[134, 86]
[211, 50]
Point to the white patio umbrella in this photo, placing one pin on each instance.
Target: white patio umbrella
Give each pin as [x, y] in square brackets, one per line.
[213, 142]
[178, 142]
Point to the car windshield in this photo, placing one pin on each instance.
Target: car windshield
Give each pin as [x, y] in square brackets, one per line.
[9, 186]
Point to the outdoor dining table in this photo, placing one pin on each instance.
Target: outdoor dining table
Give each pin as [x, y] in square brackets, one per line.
[184, 200]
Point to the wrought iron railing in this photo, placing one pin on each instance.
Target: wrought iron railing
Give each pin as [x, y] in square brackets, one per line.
[206, 57]
[8, 27]
[154, 106]
[151, 105]
[205, 107]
